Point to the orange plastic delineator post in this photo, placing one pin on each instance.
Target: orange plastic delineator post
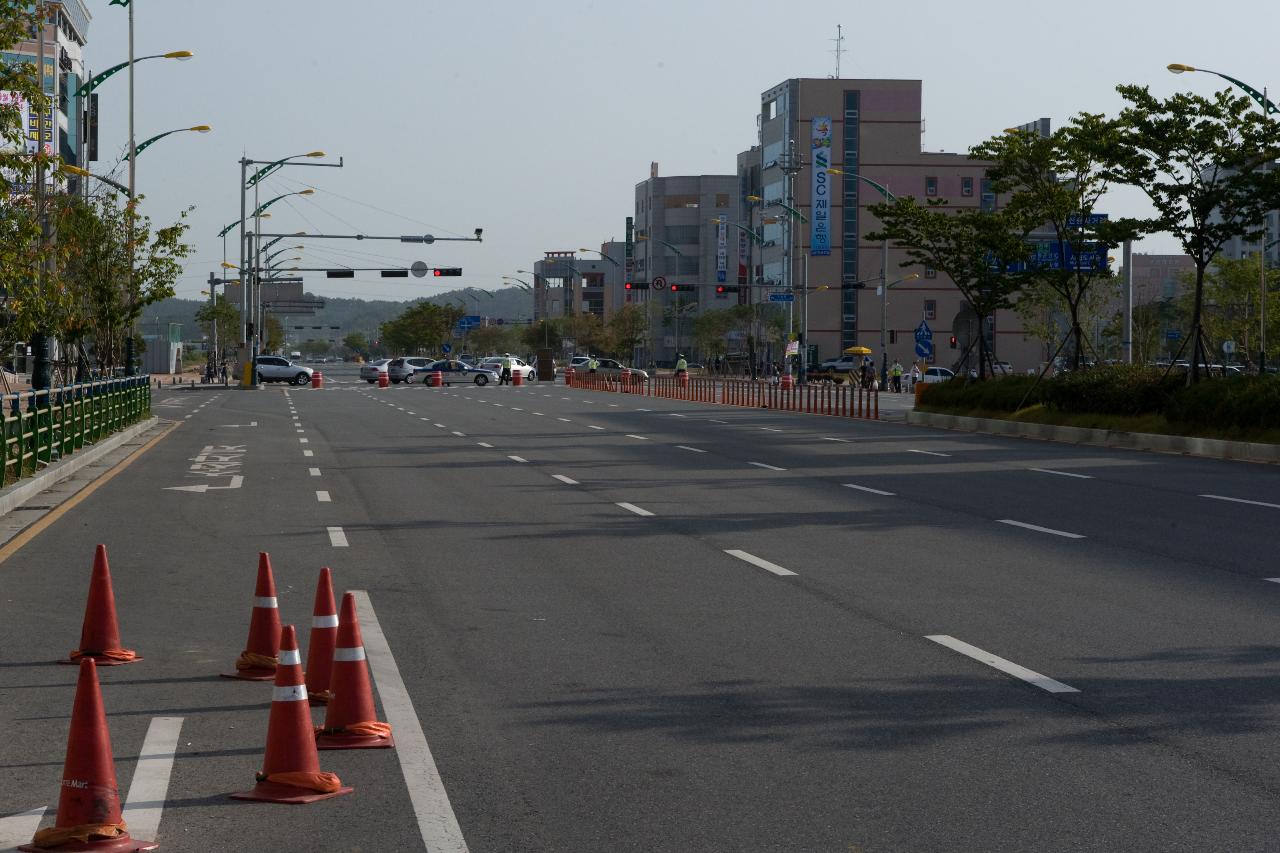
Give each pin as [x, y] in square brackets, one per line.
[258, 660]
[291, 766]
[100, 631]
[89, 799]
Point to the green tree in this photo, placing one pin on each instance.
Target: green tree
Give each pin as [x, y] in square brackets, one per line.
[974, 248]
[1204, 164]
[710, 331]
[356, 343]
[420, 329]
[314, 348]
[275, 333]
[1232, 297]
[493, 339]
[1056, 184]
[545, 334]
[221, 320]
[629, 327]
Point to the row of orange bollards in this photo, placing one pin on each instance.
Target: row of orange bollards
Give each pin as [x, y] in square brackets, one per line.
[337, 675]
[848, 401]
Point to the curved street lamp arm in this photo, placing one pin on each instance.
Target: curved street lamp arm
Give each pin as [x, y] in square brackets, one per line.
[1267, 107]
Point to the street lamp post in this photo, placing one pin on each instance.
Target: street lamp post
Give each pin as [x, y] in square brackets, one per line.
[1267, 109]
[143, 146]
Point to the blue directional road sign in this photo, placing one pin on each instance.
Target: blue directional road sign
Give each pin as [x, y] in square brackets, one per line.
[924, 349]
[470, 321]
[446, 348]
[782, 297]
[923, 333]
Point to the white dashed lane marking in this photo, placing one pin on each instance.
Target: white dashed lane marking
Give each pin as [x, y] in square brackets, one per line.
[568, 481]
[337, 538]
[760, 562]
[641, 511]
[323, 497]
[688, 448]
[766, 467]
[999, 663]
[867, 489]
[1038, 529]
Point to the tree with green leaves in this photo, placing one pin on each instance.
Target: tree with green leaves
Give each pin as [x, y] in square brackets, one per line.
[493, 339]
[420, 329]
[1058, 182]
[1206, 165]
[221, 321]
[629, 327]
[976, 249]
[544, 334]
[275, 333]
[1232, 298]
[356, 343]
[314, 348]
[711, 330]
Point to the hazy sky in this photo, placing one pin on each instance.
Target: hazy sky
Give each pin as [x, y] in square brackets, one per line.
[536, 120]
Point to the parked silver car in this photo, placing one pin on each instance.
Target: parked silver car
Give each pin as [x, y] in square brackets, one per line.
[277, 368]
[370, 369]
[403, 369]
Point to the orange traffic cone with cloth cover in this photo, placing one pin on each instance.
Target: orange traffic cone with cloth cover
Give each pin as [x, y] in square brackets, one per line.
[100, 632]
[350, 721]
[258, 660]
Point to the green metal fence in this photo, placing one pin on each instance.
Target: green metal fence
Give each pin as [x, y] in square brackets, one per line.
[40, 427]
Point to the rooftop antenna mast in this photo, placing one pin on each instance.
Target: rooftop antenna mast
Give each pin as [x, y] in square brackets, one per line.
[839, 51]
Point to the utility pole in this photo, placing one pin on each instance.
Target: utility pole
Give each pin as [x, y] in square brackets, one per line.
[791, 166]
[130, 354]
[40, 372]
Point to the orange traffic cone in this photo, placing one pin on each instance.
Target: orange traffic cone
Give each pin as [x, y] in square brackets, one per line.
[89, 803]
[350, 722]
[291, 766]
[258, 660]
[324, 637]
[100, 633]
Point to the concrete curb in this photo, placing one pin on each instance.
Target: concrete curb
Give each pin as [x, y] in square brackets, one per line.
[19, 493]
[1207, 448]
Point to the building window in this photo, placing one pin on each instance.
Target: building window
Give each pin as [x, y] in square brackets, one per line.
[773, 192]
[686, 265]
[931, 186]
[673, 202]
[930, 272]
[850, 189]
[681, 235]
[966, 187]
[931, 309]
[988, 202]
[722, 200]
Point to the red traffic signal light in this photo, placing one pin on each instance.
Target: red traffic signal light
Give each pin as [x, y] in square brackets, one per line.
[953, 341]
[439, 271]
[727, 288]
[636, 285]
[683, 287]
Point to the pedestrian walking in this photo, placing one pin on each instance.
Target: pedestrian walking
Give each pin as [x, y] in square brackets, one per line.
[224, 371]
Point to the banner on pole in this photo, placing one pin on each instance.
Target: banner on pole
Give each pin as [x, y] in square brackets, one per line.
[820, 218]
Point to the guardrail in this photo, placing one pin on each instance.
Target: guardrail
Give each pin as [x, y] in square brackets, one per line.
[820, 398]
[40, 427]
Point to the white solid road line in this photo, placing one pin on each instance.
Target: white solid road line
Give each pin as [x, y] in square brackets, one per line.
[1062, 473]
[1241, 501]
[19, 828]
[593, 426]
[759, 563]
[688, 448]
[640, 437]
[436, 821]
[1044, 682]
[1272, 580]
[568, 481]
[323, 497]
[633, 508]
[517, 459]
[308, 453]
[150, 785]
[314, 472]
[829, 438]
[766, 467]
[1040, 529]
[337, 538]
[485, 444]
[867, 489]
[929, 452]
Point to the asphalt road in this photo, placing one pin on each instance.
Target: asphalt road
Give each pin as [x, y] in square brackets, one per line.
[636, 624]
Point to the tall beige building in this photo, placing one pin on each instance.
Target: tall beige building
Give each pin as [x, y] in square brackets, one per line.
[869, 130]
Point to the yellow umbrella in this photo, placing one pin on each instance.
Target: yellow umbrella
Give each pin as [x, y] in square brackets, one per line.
[857, 351]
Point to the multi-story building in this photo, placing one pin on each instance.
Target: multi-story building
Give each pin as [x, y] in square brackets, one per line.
[684, 228]
[62, 132]
[868, 130]
[1160, 277]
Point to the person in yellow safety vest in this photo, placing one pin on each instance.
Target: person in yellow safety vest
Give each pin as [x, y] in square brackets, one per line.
[505, 376]
[682, 366]
[592, 364]
[896, 372]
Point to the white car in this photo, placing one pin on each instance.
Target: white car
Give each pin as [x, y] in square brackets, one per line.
[937, 374]
[277, 368]
[494, 363]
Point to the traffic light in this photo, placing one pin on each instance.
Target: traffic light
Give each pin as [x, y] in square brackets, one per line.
[439, 271]
[727, 288]
[636, 285]
[953, 341]
[684, 287]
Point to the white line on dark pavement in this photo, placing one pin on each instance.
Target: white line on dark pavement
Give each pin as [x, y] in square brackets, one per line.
[1273, 580]
[867, 489]
[424, 419]
[304, 440]
[539, 414]
[633, 508]
[1062, 473]
[644, 410]
[566, 420]
[516, 409]
[759, 562]
[676, 415]
[829, 438]
[314, 472]
[1044, 682]
[770, 429]
[1037, 528]
[1241, 501]
[568, 481]
[593, 426]
[337, 538]
[308, 453]
[459, 434]
[929, 452]
[688, 448]
[485, 444]
[437, 823]
[323, 497]
[440, 426]
[640, 437]
[766, 467]
[517, 459]
[19, 828]
[145, 803]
